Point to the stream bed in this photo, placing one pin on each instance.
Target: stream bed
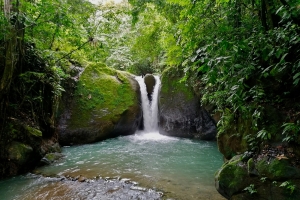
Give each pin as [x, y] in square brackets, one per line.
[141, 166]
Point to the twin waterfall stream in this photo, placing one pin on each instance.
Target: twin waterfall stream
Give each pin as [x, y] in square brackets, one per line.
[146, 166]
[150, 108]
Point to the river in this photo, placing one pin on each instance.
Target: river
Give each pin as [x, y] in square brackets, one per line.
[179, 168]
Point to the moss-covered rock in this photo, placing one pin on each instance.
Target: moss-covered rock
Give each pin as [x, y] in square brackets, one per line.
[49, 146]
[19, 153]
[251, 168]
[180, 111]
[105, 104]
[268, 190]
[53, 156]
[50, 158]
[258, 178]
[232, 141]
[276, 169]
[232, 177]
[24, 149]
[268, 164]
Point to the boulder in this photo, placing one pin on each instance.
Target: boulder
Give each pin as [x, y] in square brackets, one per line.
[150, 81]
[180, 112]
[49, 146]
[105, 104]
[258, 178]
[25, 148]
[19, 153]
[232, 177]
[50, 158]
[276, 170]
[230, 144]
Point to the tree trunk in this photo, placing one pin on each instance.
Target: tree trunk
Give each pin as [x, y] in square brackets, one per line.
[13, 45]
[263, 15]
[7, 8]
[11, 57]
[238, 14]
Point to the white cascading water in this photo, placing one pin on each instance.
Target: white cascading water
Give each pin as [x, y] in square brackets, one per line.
[150, 108]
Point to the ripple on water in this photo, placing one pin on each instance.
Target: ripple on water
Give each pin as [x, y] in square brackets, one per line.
[181, 168]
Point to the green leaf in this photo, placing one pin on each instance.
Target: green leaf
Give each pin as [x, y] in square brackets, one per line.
[234, 87]
[203, 68]
[279, 9]
[296, 75]
[282, 58]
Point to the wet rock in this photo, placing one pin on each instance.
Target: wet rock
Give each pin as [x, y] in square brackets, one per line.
[115, 189]
[44, 161]
[55, 148]
[149, 80]
[81, 179]
[68, 188]
[48, 146]
[138, 188]
[180, 112]
[50, 158]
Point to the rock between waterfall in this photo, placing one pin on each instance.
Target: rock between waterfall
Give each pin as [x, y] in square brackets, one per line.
[149, 80]
[180, 112]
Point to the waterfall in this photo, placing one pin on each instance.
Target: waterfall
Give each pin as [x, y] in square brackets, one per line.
[150, 108]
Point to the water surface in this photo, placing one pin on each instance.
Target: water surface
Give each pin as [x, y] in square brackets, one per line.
[180, 168]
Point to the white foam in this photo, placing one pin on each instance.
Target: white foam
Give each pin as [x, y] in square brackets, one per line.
[150, 109]
[155, 135]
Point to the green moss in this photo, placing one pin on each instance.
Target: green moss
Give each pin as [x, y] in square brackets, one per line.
[102, 92]
[232, 176]
[277, 169]
[19, 152]
[231, 144]
[33, 131]
[251, 166]
[53, 156]
[231, 141]
[50, 156]
[172, 84]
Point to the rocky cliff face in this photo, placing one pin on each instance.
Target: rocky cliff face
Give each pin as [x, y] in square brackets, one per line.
[105, 104]
[180, 111]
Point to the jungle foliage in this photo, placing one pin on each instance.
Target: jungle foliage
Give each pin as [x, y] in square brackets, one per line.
[241, 56]
[38, 40]
[41, 41]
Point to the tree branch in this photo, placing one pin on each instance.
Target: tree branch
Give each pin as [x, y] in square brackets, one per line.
[91, 39]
